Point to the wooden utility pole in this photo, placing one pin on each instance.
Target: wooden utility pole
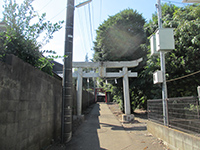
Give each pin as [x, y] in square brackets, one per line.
[66, 131]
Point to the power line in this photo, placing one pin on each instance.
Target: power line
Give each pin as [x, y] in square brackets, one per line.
[183, 76]
[174, 2]
[58, 14]
[100, 10]
[80, 23]
[93, 16]
[45, 5]
[83, 27]
[87, 26]
[91, 30]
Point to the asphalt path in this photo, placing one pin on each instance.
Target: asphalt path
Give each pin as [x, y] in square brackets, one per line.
[101, 130]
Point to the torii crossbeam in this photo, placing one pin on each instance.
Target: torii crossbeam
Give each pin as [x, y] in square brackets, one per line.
[103, 74]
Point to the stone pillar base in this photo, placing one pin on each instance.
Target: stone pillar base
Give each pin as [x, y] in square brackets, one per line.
[127, 118]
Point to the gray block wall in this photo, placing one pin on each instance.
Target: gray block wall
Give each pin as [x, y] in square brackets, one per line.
[87, 100]
[30, 106]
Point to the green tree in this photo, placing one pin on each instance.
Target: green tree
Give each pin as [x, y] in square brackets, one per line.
[185, 58]
[119, 39]
[24, 28]
[14, 43]
[26, 21]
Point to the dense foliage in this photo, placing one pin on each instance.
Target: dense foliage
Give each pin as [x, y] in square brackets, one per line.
[119, 37]
[24, 28]
[184, 60]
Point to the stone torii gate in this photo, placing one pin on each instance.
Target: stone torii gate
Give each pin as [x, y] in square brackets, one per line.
[103, 74]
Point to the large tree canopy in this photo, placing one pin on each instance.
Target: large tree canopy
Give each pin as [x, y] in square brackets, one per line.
[119, 37]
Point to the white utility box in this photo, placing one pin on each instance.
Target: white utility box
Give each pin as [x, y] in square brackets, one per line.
[153, 46]
[157, 77]
[165, 39]
[198, 91]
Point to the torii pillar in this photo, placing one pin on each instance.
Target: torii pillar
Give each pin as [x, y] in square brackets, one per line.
[126, 92]
[79, 91]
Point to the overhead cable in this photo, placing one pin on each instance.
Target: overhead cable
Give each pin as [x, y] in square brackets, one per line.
[174, 2]
[88, 32]
[81, 31]
[91, 29]
[45, 5]
[93, 16]
[58, 14]
[183, 76]
[100, 10]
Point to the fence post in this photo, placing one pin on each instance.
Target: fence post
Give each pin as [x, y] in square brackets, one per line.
[197, 103]
[167, 112]
[198, 91]
[148, 109]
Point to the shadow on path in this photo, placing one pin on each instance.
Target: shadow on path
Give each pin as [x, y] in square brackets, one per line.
[86, 137]
[135, 128]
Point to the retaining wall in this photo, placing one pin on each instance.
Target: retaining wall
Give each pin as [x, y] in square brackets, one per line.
[175, 139]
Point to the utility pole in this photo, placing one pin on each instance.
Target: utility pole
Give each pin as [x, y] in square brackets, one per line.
[66, 124]
[94, 80]
[162, 63]
[88, 82]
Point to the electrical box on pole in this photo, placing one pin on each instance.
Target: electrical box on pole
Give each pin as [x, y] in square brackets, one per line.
[153, 46]
[165, 39]
[157, 77]
[198, 91]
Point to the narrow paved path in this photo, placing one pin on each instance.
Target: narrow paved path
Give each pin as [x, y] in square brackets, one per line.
[103, 131]
[100, 131]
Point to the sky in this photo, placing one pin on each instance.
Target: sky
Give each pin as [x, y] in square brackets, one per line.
[87, 20]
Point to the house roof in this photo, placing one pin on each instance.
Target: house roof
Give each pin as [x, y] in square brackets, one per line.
[58, 68]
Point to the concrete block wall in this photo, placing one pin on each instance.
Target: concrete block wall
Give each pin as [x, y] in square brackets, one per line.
[30, 106]
[87, 100]
[175, 139]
